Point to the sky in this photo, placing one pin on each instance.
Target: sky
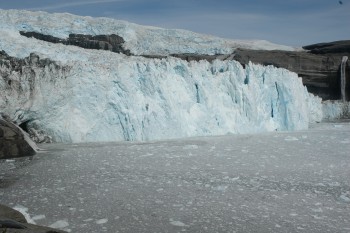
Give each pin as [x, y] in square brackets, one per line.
[288, 22]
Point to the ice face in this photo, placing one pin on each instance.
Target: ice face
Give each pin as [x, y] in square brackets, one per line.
[133, 98]
[103, 96]
[333, 110]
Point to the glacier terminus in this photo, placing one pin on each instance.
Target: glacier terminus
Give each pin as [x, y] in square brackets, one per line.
[74, 94]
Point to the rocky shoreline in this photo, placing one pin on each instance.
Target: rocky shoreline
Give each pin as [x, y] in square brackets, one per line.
[12, 221]
[14, 142]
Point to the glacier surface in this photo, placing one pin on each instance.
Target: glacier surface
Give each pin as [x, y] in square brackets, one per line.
[93, 95]
[139, 39]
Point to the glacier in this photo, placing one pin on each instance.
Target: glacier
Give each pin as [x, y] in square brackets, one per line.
[139, 39]
[79, 95]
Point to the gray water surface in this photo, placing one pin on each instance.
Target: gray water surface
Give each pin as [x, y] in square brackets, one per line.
[273, 182]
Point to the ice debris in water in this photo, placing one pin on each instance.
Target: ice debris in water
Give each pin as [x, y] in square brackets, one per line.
[60, 224]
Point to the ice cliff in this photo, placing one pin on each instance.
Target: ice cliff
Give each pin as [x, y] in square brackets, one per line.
[78, 95]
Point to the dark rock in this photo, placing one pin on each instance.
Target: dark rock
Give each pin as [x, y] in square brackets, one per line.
[342, 47]
[12, 221]
[198, 57]
[8, 223]
[9, 213]
[111, 42]
[308, 65]
[18, 65]
[30, 228]
[154, 56]
[320, 72]
[14, 142]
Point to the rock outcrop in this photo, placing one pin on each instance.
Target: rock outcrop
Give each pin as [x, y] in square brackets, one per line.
[319, 67]
[339, 47]
[111, 42]
[14, 142]
[12, 221]
[320, 73]
[9, 213]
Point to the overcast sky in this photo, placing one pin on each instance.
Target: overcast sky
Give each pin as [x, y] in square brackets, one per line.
[289, 22]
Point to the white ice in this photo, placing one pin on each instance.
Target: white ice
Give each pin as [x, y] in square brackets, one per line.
[104, 96]
[139, 39]
[60, 224]
[102, 221]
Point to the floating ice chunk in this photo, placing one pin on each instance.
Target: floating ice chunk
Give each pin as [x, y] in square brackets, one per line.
[102, 221]
[190, 147]
[177, 223]
[38, 217]
[291, 138]
[60, 224]
[344, 197]
[88, 220]
[221, 188]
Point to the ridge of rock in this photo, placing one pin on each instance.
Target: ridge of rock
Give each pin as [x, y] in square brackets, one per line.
[342, 47]
[12, 221]
[319, 72]
[111, 42]
[14, 143]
